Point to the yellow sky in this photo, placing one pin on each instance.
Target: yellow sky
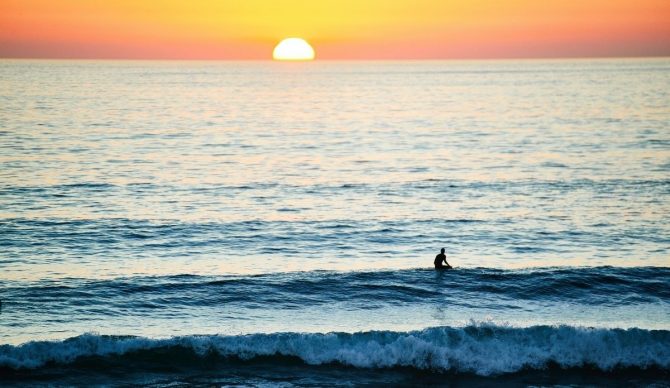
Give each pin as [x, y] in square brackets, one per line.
[339, 29]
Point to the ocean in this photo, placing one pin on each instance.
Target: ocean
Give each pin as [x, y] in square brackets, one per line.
[275, 224]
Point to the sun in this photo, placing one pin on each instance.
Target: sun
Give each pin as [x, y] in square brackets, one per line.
[293, 49]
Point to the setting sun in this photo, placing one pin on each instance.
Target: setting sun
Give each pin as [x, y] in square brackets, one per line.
[293, 49]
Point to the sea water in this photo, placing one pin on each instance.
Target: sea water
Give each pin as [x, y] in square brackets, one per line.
[262, 222]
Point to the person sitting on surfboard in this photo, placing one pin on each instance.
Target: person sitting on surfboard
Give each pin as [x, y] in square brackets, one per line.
[441, 258]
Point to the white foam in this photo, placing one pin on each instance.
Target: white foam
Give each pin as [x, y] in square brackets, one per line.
[483, 349]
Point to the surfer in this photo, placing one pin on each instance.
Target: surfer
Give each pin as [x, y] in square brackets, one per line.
[441, 257]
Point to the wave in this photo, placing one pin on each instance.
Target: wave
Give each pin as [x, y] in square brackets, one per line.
[482, 349]
[596, 286]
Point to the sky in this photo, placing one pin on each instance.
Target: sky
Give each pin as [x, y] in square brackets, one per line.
[338, 29]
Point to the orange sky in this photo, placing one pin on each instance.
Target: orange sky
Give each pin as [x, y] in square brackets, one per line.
[338, 29]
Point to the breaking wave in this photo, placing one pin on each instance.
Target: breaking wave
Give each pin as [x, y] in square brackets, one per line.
[481, 348]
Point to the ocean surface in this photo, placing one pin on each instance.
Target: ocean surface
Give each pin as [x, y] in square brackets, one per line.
[275, 224]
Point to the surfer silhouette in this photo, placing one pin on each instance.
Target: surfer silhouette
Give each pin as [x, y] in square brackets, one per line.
[439, 259]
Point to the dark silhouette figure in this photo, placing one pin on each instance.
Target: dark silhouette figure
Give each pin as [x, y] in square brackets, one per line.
[439, 259]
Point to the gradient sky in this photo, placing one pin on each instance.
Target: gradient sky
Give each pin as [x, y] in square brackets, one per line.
[338, 29]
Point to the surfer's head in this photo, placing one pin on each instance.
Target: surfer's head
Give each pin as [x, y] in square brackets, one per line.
[442, 250]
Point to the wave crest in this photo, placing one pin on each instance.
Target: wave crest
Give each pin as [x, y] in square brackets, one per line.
[482, 349]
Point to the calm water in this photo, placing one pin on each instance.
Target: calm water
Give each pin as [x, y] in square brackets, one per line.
[278, 221]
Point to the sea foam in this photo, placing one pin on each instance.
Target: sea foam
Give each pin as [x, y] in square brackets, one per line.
[482, 349]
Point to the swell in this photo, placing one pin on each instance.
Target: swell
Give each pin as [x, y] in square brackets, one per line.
[592, 286]
[480, 349]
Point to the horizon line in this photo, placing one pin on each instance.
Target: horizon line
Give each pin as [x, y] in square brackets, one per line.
[520, 58]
